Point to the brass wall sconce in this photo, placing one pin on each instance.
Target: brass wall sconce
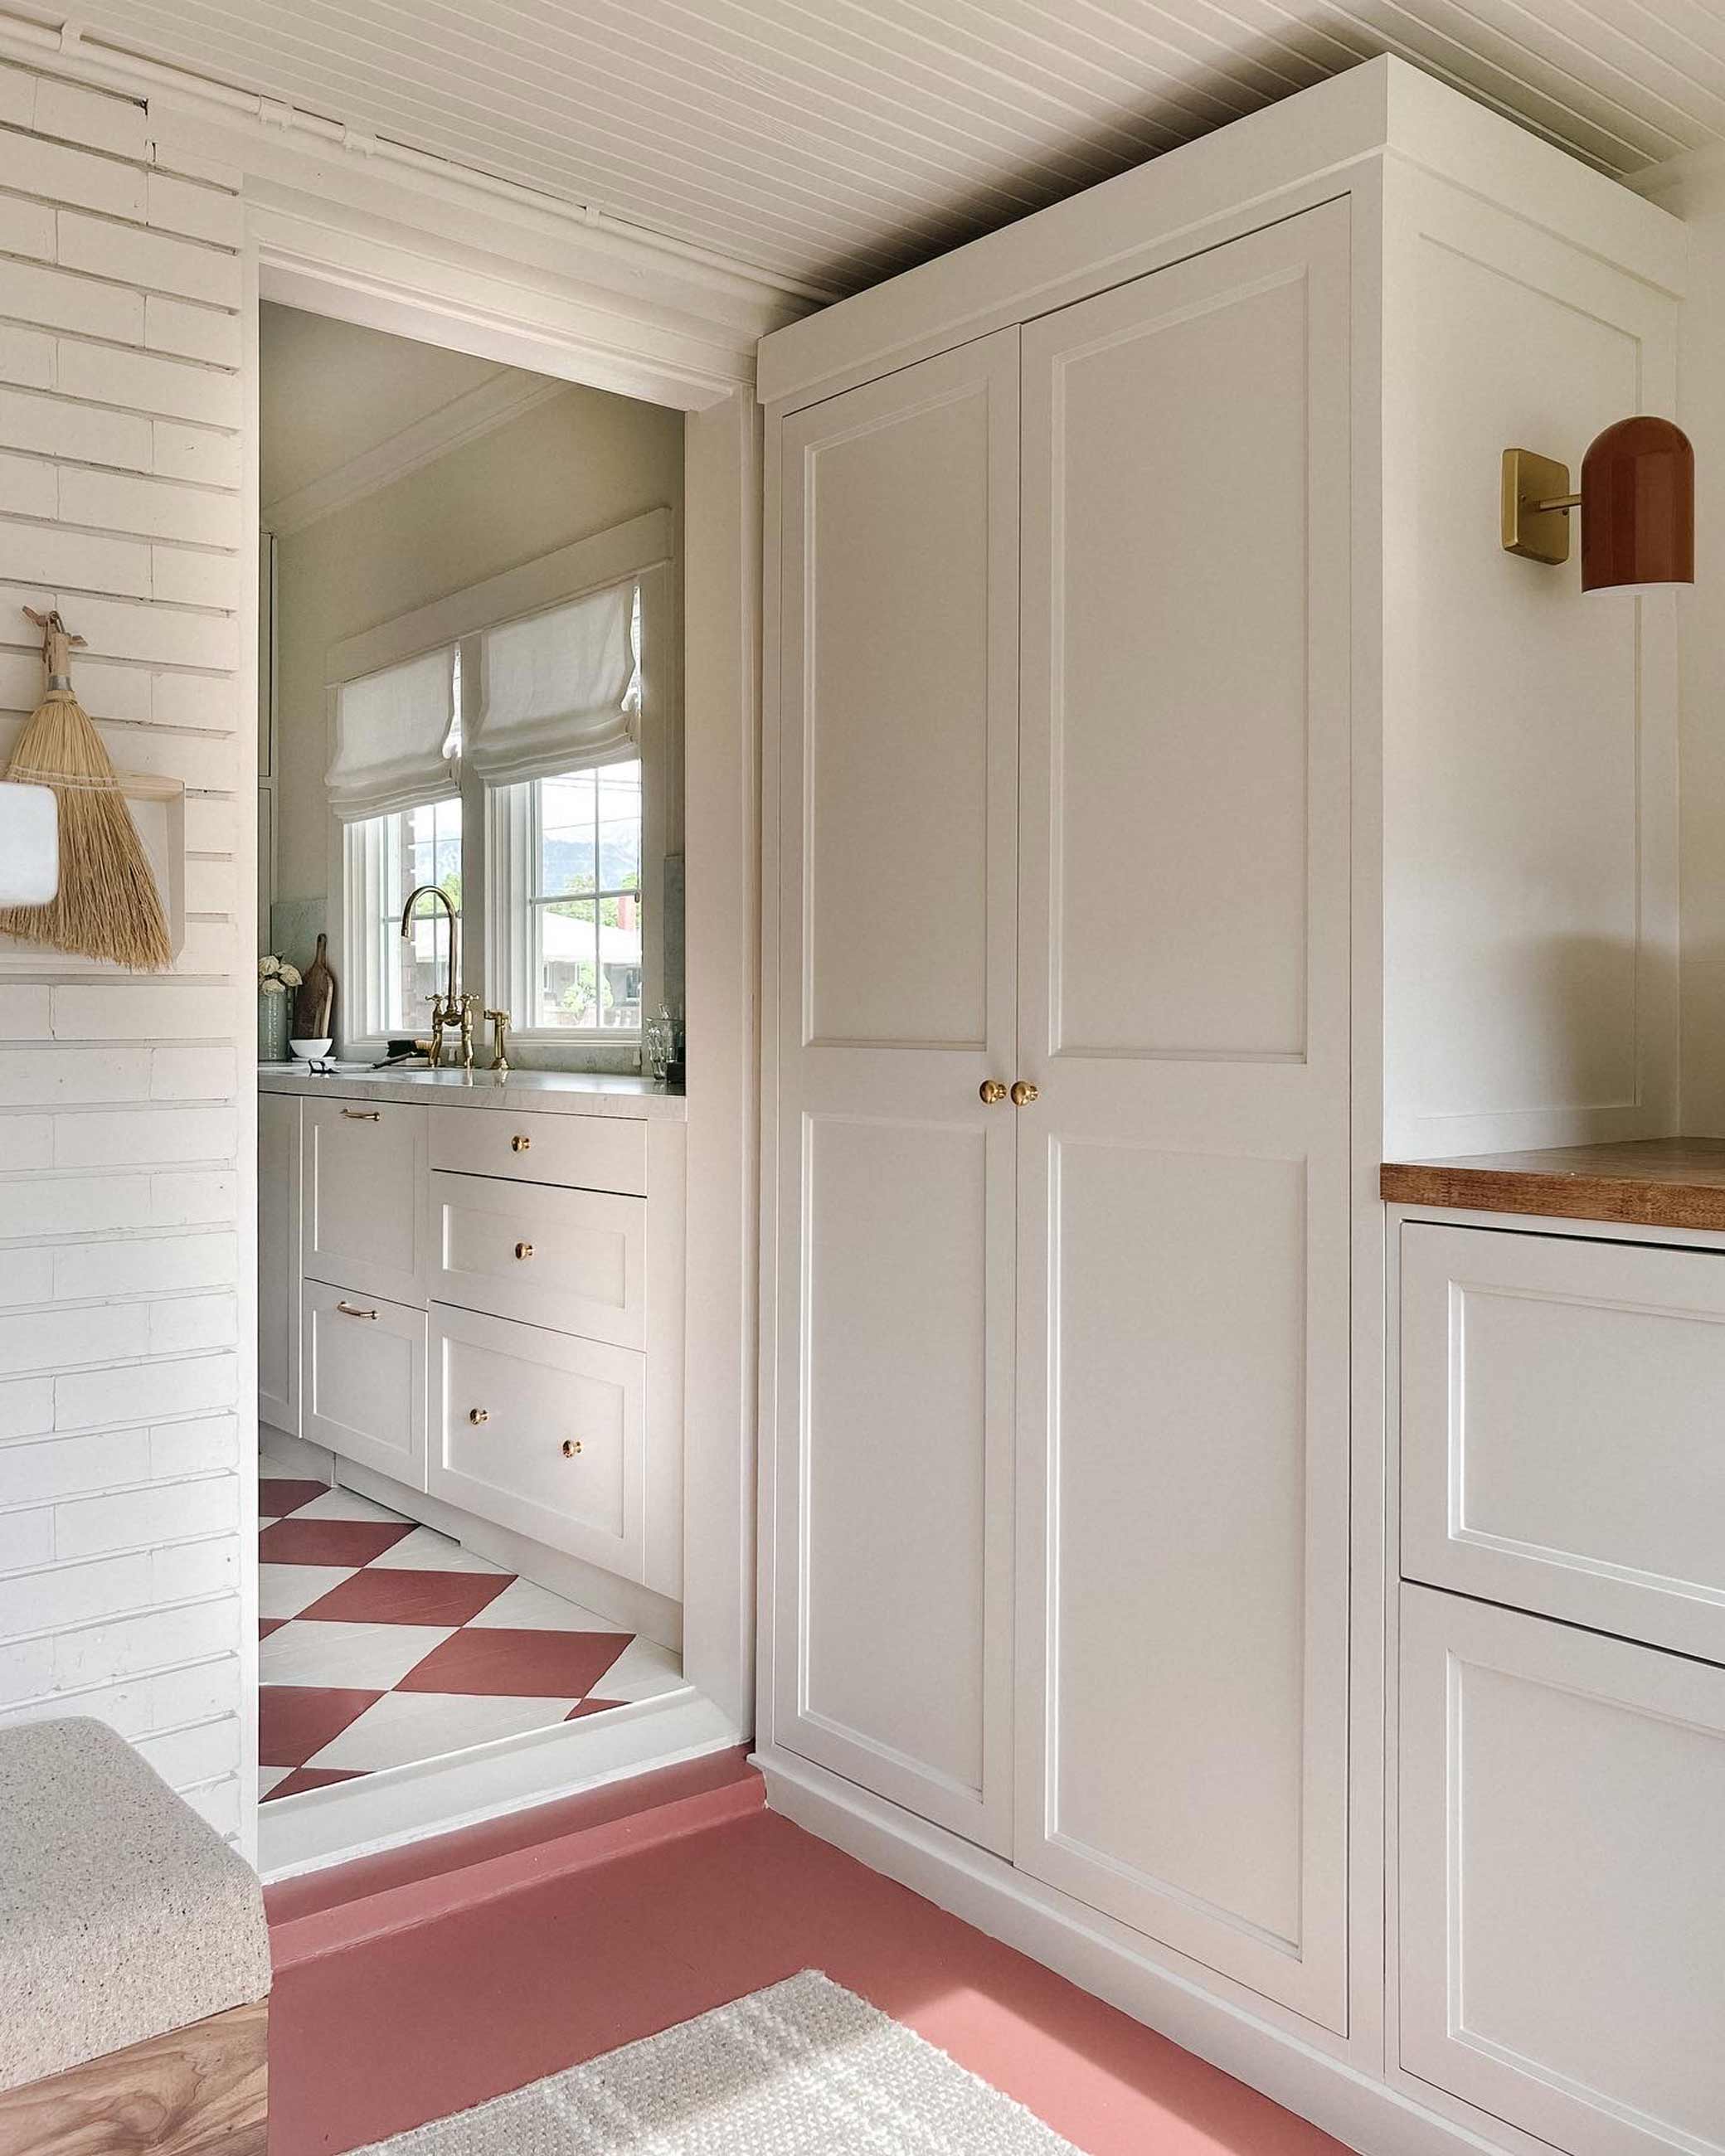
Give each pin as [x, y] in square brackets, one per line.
[1637, 504]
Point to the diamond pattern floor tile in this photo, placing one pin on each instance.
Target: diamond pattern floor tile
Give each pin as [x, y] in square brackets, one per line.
[404, 1726]
[351, 1542]
[294, 1721]
[375, 1597]
[383, 1643]
[377, 1657]
[509, 1664]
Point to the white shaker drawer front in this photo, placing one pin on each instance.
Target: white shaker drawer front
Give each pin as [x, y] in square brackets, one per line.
[1563, 1429]
[571, 1259]
[1562, 1918]
[541, 1433]
[584, 1152]
[364, 1219]
[363, 1380]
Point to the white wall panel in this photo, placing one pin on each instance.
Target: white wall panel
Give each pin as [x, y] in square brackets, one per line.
[122, 1510]
[1530, 729]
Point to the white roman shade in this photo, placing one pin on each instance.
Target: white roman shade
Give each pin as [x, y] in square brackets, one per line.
[391, 727]
[556, 688]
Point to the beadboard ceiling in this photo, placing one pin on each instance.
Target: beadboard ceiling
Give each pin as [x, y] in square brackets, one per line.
[835, 142]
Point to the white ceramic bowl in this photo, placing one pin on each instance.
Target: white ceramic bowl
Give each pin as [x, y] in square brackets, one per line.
[311, 1051]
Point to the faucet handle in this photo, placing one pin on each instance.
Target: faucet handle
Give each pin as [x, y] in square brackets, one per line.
[499, 1023]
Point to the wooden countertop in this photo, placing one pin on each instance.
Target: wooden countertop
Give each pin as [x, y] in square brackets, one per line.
[1647, 1182]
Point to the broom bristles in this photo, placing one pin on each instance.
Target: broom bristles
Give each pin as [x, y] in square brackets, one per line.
[108, 905]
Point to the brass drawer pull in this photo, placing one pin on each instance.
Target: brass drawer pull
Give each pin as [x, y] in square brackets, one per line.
[572, 1446]
[363, 1115]
[353, 1309]
[477, 1415]
[524, 1249]
[519, 1142]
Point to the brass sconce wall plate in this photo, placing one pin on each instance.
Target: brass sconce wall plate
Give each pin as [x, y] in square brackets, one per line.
[1540, 535]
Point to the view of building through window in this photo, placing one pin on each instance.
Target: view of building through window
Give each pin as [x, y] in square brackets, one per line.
[418, 845]
[584, 906]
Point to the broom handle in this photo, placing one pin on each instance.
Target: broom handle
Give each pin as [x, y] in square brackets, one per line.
[56, 646]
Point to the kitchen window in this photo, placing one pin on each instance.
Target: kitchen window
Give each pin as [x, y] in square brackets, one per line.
[536, 801]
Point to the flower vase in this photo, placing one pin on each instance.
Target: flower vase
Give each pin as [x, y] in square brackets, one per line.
[273, 1027]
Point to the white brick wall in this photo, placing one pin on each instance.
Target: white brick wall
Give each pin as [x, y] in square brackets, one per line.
[122, 1503]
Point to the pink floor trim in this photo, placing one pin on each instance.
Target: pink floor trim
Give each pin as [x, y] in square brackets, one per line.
[479, 1998]
[379, 1895]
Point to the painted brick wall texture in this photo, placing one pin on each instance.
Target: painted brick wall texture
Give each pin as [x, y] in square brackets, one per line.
[121, 407]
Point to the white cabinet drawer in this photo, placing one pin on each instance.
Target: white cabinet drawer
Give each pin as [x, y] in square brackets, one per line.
[571, 1259]
[363, 1380]
[584, 1152]
[363, 1222]
[541, 1432]
[1562, 1919]
[1564, 1428]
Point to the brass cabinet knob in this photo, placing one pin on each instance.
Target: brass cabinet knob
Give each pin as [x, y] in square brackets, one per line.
[991, 1092]
[477, 1415]
[519, 1144]
[524, 1249]
[1023, 1093]
[572, 1446]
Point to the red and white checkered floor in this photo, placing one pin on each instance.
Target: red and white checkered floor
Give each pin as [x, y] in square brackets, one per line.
[382, 1643]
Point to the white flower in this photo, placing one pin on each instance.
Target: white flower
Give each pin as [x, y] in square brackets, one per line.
[275, 976]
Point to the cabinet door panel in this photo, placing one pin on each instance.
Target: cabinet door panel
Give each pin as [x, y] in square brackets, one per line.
[541, 1432]
[1184, 1176]
[365, 1200]
[1561, 1447]
[364, 1380]
[898, 692]
[1562, 1877]
[278, 1260]
[574, 1261]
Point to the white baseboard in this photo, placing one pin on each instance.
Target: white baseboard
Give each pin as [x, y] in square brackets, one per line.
[1051, 1928]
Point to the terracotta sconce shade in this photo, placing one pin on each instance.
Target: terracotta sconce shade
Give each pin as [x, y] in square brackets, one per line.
[1638, 506]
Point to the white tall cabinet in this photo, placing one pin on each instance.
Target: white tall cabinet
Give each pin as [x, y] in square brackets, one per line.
[1116, 623]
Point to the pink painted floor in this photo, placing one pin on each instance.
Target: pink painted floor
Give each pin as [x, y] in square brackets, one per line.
[368, 2041]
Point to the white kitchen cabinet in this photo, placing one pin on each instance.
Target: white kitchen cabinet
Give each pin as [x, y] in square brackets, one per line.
[1562, 1878]
[572, 1259]
[1153, 721]
[542, 1433]
[584, 1152]
[1183, 1011]
[279, 1262]
[363, 1375]
[898, 785]
[1564, 1428]
[364, 1201]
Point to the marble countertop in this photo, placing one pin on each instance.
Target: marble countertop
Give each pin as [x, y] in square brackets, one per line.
[546, 1092]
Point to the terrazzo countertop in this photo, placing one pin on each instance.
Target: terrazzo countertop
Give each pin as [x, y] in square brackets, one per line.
[545, 1092]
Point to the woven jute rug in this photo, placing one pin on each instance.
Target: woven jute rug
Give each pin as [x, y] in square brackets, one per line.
[804, 2068]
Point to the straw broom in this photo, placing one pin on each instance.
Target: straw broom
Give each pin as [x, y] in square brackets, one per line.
[108, 905]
